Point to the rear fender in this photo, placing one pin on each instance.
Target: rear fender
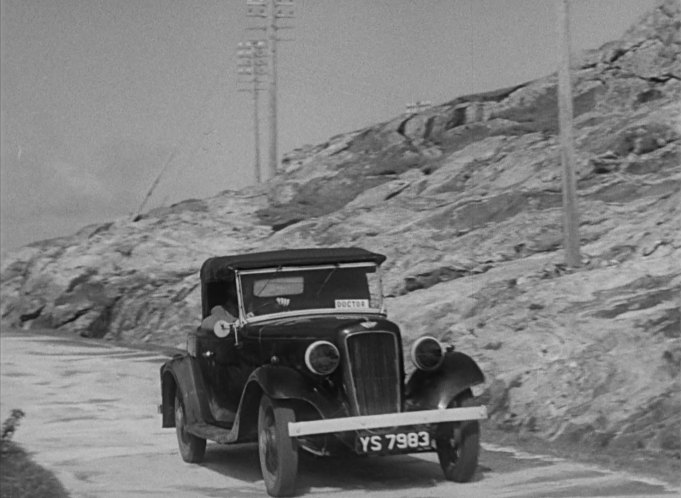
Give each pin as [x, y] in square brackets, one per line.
[430, 390]
[183, 373]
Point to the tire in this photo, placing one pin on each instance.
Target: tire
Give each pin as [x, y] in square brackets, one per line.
[192, 448]
[278, 452]
[458, 447]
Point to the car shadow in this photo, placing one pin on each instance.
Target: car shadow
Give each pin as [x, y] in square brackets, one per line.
[368, 473]
[238, 461]
[400, 472]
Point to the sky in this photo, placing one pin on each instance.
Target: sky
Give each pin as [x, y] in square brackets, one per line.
[97, 96]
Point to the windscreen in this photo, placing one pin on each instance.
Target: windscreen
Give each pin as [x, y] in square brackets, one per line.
[339, 288]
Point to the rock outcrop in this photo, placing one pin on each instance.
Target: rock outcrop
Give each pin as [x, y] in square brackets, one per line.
[465, 199]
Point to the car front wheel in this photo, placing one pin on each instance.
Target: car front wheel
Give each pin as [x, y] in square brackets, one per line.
[278, 451]
[458, 447]
[192, 448]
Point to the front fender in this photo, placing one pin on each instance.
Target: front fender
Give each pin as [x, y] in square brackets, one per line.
[182, 373]
[280, 382]
[430, 390]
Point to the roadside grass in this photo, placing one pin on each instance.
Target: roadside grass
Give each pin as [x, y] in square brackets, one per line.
[20, 476]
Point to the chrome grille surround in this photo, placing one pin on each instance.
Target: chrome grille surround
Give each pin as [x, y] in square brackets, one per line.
[372, 372]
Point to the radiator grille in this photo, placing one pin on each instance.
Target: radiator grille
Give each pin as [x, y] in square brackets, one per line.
[374, 372]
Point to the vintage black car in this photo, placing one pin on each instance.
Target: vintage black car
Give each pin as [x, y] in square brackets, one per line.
[296, 352]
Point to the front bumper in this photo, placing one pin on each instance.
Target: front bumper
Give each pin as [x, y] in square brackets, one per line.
[329, 425]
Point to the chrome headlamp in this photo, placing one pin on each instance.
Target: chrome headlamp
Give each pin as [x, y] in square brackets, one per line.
[322, 357]
[427, 353]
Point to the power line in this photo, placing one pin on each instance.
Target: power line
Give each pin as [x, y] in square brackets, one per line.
[418, 106]
[154, 184]
[170, 160]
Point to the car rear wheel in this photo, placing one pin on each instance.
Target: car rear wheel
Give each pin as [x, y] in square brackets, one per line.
[458, 446]
[278, 451]
[192, 448]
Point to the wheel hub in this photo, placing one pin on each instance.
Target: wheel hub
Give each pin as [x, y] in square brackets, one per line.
[179, 423]
[269, 444]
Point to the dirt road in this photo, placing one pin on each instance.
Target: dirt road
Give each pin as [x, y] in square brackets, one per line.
[91, 417]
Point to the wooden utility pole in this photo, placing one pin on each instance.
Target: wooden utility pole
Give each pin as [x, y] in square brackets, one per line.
[272, 42]
[256, 131]
[568, 158]
[251, 56]
[271, 11]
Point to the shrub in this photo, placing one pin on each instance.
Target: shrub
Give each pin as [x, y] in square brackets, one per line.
[20, 476]
[8, 429]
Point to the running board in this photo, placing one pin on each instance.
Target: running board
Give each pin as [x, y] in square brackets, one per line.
[213, 432]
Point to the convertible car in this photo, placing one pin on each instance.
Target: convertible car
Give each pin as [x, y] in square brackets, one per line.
[295, 352]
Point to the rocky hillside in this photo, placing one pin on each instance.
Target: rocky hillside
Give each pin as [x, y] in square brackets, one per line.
[465, 199]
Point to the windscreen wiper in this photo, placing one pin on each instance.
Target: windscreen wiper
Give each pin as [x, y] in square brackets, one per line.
[326, 280]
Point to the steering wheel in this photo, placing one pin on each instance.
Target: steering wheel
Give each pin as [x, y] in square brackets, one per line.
[271, 306]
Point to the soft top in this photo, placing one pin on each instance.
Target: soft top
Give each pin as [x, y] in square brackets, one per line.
[218, 268]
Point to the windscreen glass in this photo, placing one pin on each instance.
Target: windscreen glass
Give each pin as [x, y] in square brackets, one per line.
[339, 288]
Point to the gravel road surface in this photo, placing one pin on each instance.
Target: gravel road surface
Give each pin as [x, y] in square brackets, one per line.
[91, 417]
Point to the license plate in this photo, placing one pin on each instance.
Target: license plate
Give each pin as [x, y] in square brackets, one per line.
[402, 442]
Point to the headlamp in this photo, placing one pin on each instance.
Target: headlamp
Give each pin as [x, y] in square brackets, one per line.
[427, 353]
[322, 357]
